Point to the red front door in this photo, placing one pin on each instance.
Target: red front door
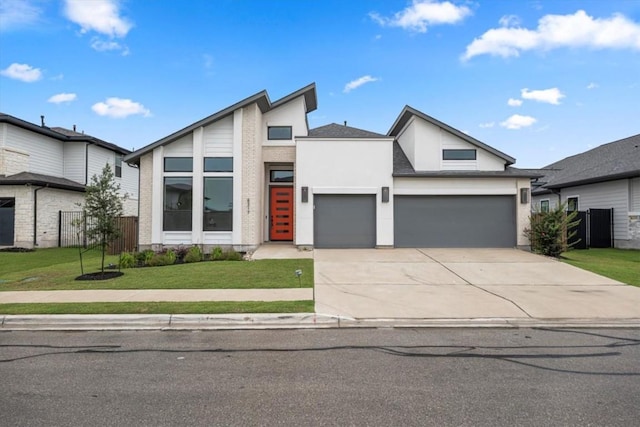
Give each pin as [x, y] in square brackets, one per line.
[281, 213]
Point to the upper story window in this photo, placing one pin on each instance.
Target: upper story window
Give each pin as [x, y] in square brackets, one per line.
[118, 166]
[218, 164]
[459, 154]
[279, 132]
[178, 164]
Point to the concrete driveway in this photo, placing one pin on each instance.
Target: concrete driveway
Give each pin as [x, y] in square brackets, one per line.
[464, 284]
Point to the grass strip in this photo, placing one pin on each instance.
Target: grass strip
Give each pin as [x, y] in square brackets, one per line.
[205, 307]
[622, 265]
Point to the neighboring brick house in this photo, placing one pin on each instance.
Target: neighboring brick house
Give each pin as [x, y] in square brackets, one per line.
[604, 177]
[254, 172]
[43, 171]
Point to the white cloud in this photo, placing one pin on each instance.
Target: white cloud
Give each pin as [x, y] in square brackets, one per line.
[103, 46]
[592, 85]
[422, 14]
[15, 14]
[354, 84]
[549, 96]
[512, 102]
[101, 16]
[509, 21]
[557, 31]
[62, 97]
[119, 108]
[487, 125]
[23, 72]
[517, 122]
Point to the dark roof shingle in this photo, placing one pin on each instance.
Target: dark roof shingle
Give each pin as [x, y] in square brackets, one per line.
[24, 178]
[335, 130]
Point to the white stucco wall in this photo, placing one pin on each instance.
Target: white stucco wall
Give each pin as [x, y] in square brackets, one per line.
[290, 114]
[423, 143]
[344, 166]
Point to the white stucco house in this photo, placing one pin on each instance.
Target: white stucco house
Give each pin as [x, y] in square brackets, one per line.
[44, 171]
[605, 177]
[254, 172]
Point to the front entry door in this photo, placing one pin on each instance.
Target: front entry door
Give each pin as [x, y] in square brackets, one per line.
[281, 213]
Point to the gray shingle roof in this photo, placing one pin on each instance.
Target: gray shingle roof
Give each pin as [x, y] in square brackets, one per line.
[335, 130]
[615, 160]
[24, 178]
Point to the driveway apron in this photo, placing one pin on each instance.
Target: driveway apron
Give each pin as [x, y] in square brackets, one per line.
[463, 284]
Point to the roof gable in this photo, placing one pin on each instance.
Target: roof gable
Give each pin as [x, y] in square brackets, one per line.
[261, 99]
[409, 112]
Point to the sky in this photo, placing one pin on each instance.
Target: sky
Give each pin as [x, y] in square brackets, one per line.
[539, 80]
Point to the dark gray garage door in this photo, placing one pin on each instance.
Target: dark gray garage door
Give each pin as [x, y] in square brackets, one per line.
[455, 221]
[7, 221]
[344, 221]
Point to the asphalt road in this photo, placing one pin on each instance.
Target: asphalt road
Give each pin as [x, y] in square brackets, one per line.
[440, 377]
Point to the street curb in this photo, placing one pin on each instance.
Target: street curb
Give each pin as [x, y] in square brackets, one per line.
[162, 322]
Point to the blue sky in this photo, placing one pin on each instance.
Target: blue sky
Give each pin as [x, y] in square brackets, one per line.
[539, 80]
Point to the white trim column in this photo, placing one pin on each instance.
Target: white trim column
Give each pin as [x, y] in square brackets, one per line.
[236, 238]
[197, 202]
[157, 196]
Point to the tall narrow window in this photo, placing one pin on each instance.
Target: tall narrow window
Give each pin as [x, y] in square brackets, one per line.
[279, 132]
[177, 204]
[218, 204]
[118, 165]
[544, 206]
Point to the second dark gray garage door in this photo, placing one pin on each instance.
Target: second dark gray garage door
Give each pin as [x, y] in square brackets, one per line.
[455, 221]
[344, 221]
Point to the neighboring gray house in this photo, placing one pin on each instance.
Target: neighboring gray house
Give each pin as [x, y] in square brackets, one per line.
[605, 177]
[43, 171]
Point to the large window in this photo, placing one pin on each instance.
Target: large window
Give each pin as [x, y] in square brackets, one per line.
[279, 132]
[178, 164]
[218, 204]
[457, 154]
[177, 203]
[218, 164]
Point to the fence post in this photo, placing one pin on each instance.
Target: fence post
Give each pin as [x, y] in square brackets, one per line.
[59, 229]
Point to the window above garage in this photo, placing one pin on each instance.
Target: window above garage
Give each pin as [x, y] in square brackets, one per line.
[459, 154]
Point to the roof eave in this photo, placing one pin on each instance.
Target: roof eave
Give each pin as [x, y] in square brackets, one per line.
[43, 184]
[594, 180]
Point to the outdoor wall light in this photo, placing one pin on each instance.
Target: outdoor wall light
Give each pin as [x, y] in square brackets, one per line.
[385, 194]
[524, 195]
[305, 195]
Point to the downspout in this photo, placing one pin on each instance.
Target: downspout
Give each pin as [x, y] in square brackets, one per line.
[35, 214]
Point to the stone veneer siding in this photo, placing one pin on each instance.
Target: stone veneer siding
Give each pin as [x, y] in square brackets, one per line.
[279, 154]
[145, 196]
[251, 177]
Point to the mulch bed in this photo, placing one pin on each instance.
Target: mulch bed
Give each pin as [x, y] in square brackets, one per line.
[100, 276]
[14, 249]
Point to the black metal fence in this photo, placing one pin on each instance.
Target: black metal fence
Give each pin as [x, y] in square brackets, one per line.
[595, 229]
[73, 225]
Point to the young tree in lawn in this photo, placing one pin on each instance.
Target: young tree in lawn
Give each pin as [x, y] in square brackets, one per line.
[103, 204]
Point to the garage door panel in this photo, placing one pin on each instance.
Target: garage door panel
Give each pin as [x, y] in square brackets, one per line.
[454, 221]
[344, 221]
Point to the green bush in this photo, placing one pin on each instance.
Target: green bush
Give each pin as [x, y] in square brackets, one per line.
[232, 255]
[217, 254]
[181, 252]
[127, 260]
[194, 254]
[160, 259]
[171, 256]
[550, 231]
[145, 256]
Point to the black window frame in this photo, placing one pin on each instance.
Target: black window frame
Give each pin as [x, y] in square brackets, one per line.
[570, 207]
[547, 207]
[276, 138]
[460, 151]
[166, 212]
[177, 169]
[208, 215]
[217, 169]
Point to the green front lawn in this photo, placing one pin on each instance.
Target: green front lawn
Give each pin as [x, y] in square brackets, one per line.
[56, 269]
[617, 264]
[216, 307]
